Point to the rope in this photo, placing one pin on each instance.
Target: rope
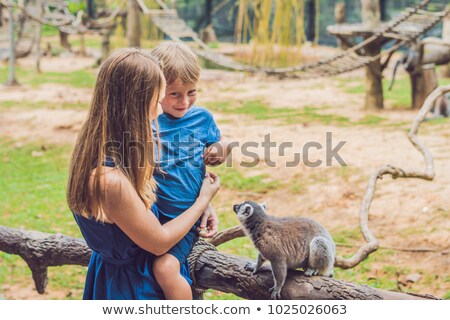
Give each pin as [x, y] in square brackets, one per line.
[200, 247]
[169, 22]
[67, 22]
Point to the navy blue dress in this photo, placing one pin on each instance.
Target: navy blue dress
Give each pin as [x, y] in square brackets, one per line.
[119, 269]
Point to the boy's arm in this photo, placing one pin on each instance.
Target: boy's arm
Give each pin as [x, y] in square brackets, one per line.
[217, 153]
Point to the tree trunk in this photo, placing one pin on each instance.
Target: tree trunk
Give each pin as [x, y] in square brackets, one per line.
[82, 46]
[446, 37]
[370, 13]
[212, 269]
[339, 16]
[374, 85]
[310, 9]
[90, 8]
[421, 65]
[423, 82]
[64, 40]
[227, 273]
[106, 35]
[133, 24]
[208, 12]
[383, 10]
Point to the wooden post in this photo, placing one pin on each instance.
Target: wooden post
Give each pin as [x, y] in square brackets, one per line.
[208, 34]
[12, 81]
[133, 24]
[38, 35]
[64, 40]
[339, 16]
[422, 72]
[423, 83]
[446, 37]
[1, 15]
[82, 45]
[106, 34]
[370, 13]
[310, 9]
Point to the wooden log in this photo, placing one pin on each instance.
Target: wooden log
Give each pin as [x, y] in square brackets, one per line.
[227, 273]
[371, 16]
[339, 16]
[373, 83]
[420, 64]
[213, 269]
[133, 24]
[370, 12]
[64, 40]
[446, 37]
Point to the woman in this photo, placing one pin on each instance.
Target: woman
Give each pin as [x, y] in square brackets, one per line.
[111, 186]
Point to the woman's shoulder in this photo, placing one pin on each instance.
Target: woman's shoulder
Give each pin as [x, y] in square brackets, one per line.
[114, 185]
[110, 178]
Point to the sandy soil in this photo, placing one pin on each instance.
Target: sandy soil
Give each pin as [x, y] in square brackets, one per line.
[405, 214]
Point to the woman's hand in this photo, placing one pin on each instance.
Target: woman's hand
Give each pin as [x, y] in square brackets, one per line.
[209, 223]
[210, 186]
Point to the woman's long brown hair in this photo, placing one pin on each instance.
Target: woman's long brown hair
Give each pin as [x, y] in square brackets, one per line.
[118, 128]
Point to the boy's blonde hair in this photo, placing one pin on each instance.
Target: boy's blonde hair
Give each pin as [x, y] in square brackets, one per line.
[178, 62]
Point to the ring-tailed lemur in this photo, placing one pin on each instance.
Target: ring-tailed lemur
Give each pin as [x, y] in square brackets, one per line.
[288, 243]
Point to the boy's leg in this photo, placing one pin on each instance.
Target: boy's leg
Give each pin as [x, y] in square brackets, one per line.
[167, 273]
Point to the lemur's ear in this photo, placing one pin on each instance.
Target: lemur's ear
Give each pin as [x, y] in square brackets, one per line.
[264, 206]
[248, 209]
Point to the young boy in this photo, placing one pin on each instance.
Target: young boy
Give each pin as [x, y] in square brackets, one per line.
[189, 140]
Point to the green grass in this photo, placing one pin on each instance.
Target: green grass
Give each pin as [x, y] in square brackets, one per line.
[77, 79]
[35, 188]
[438, 121]
[346, 236]
[26, 104]
[32, 190]
[365, 271]
[89, 42]
[258, 110]
[233, 179]
[399, 96]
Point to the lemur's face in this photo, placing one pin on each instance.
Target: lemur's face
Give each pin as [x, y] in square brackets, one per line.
[248, 208]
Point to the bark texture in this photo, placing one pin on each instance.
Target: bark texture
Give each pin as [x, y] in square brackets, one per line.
[212, 269]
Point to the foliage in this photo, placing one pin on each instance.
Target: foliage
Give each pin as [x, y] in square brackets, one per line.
[274, 27]
[78, 78]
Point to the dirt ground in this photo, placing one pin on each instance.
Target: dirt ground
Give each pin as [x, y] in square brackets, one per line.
[407, 214]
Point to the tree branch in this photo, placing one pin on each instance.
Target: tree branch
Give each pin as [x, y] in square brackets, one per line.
[212, 269]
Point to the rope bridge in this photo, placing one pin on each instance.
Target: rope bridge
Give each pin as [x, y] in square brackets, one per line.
[55, 13]
[404, 29]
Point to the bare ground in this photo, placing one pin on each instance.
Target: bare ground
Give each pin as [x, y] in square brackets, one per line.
[405, 214]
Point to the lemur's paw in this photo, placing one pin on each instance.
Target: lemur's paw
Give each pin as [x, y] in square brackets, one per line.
[275, 293]
[311, 272]
[250, 267]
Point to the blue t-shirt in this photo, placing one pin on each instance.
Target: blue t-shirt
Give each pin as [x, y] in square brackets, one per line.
[181, 169]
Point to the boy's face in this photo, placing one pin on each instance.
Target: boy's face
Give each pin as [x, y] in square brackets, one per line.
[179, 98]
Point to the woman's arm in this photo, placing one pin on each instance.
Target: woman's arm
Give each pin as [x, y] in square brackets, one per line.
[124, 208]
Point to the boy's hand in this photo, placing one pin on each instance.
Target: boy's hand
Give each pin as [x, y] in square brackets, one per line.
[209, 223]
[216, 154]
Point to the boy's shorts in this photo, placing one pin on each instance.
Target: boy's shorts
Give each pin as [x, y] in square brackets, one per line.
[183, 248]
